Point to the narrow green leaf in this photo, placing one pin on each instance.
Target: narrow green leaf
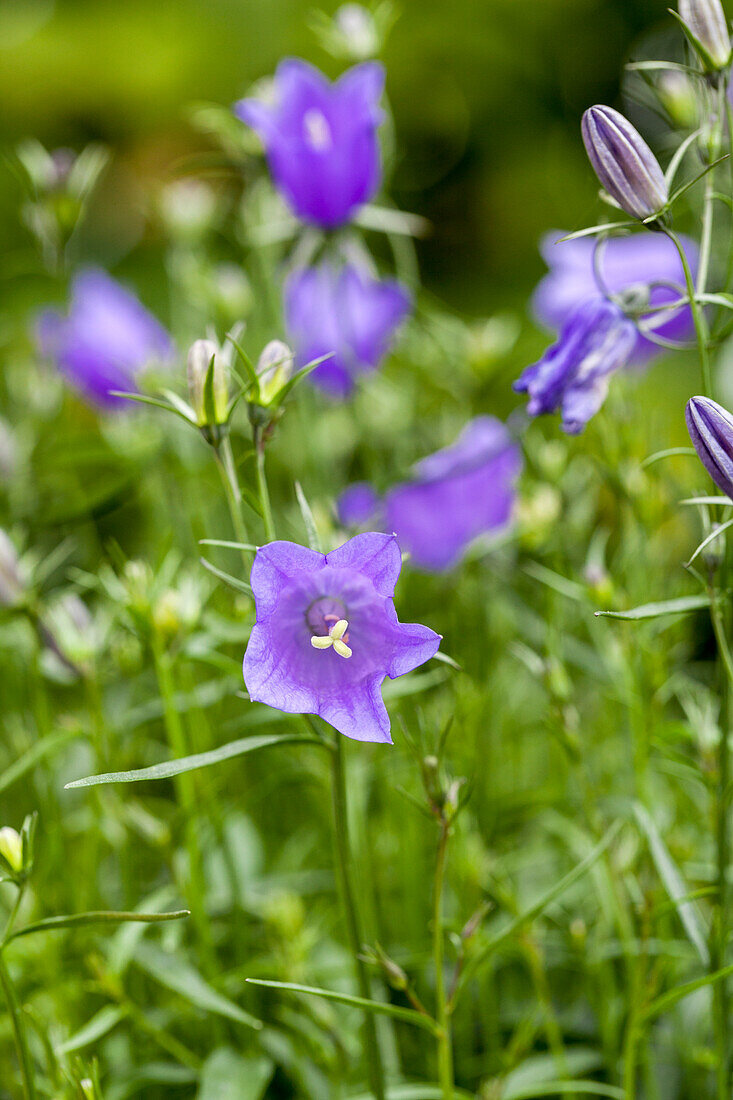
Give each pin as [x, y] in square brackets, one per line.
[155, 401]
[558, 583]
[656, 610]
[74, 920]
[670, 452]
[710, 538]
[308, 521]
[407, 1015]
[169, 768]
[606, 227]
[43, 748]
[563, 1088]
[94, 1030]
[674, 884]
[179, 977]
[247, 363]
[229, 545]
[668, 1000]
[298, 377]
[708, 500]
[227, 578]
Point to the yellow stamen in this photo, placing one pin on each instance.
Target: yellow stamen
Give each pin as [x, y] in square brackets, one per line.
[333, 638]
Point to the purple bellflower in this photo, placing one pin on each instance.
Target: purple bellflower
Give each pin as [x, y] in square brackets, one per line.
[456, 494]
[573, 375]
[623, 264]
[104, 340]
[624, 163]
[321, 138]
[344, 313]
[327, 633]
[711, 431]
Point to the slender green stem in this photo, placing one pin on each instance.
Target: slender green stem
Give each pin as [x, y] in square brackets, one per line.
[228, 470]
[262, 489]
[13, 914]
[21, 1041]
[706, 237]
[372, 1053]
[186, 798]
[442, 1015]
[729, 117]
[698, 317]
[719, 928]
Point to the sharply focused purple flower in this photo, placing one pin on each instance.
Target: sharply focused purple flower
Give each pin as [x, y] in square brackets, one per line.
[344, 313]
[706, 21]
[327, 633]
[573, 375]
[456, 494]
[623, 162]
[711, 431]
[623, 263]
[104, 340]
[358, 505]
[321, 138]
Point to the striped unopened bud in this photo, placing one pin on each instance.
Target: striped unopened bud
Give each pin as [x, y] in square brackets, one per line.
[624, 163]
[705, 20]
[711, 431]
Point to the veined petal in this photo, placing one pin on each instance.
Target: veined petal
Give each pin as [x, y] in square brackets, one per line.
[373, 555]
[359, 713]
[275, 566]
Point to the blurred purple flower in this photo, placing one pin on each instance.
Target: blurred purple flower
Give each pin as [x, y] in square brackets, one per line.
[327, 633]
[573, 375]
[104, 340]
[623, 264]
[358, 505]
[711, 431]
[345, 313]
[456, 494]
[321, 138]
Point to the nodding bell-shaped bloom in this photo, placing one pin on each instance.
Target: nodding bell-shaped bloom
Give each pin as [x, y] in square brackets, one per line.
[346, 314]
[321, 138]
[456, 494]
[327, 633]
[199, 360]
[624, 163]
[711, 431]
[622, 264]
[104, 341]
[573, 375]
[708, 27]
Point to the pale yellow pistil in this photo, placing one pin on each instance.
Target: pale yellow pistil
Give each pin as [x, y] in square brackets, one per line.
[333, 638]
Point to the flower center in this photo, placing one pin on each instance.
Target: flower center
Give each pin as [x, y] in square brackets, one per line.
[317, 131]
[326, 620]
[337, 638]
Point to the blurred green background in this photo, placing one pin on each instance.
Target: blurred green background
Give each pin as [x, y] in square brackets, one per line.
[487, 96]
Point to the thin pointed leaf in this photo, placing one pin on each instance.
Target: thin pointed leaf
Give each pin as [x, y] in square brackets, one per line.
[183, 407]
[155, 401]
[247, 363]
[605, 227]
[94, 1030]
[726, 501]
[168, 768]
[45, 747]
[668, 1000]
[691, 183]
[209, 403]
[675, 885]
[74, 920]
[308, 521]
[679, 606]
[229, 545]
[670, 452]
[179, 977]
[298, 377]
[710, 538]
[678, 156]
[383, 1008]
[227, 578]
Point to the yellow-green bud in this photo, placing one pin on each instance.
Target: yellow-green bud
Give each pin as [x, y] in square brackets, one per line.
[200, 356]
[11, 848]
[275, 368]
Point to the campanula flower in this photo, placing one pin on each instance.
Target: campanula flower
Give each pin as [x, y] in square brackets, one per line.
[573, 375]
[623, 264]
[708, 26]
[455, 495]
[327, 633]
[358, 505]
[344, 313]
[103, 342]
[711, 431]
[321, 138]
[624, 163]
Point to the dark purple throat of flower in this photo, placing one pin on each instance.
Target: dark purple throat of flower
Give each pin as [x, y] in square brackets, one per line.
[326, 618]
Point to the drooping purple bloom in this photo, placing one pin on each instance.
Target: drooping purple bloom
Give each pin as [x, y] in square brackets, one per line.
[573, 375]
[345, 313]
[358, 505]
[711, 431]
[327, 633]
[456, 494]
[623, 263]
[623, 162]
[321, 138]
[104, 340]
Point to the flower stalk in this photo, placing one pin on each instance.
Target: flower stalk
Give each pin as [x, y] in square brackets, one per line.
[19, 1032]
[442, 1012]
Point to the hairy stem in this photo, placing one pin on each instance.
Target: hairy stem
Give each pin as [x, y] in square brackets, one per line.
[442, 1015]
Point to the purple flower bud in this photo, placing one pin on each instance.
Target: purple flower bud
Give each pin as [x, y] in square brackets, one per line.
[706, 22]
[573, 375]
[321, 138]
[103, 342]
[711, 431]
[344, 313]
[624, 163]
